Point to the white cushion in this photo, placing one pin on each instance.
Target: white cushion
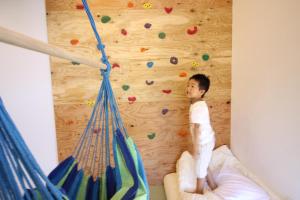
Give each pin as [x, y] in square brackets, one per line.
[186, 172]
[232, 185]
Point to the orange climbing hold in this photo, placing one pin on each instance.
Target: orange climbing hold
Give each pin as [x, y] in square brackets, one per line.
[74, 41]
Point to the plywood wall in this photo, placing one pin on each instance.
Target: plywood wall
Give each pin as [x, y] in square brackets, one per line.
[157, 121]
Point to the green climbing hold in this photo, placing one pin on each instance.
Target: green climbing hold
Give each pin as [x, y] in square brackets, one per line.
[105, 19]
[125, 87]
[205, 57]
[151, 136]
[162, 35]
[75, 63]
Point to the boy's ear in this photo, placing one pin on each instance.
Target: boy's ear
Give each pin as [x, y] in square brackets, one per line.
[201, 91]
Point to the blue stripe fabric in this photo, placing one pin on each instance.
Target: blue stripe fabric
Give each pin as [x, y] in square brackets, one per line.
[110, 182]
[60, 171]
[92, 154]
[19, 171]
[130, 194]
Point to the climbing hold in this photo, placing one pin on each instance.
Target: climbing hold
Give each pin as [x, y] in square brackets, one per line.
[79, 6]
[151, 136]
[162, 35]
[205, 57]
[91, 103]
[168, 10]
[174, 60]
[147, 5]
[130, 4]
[115, 65]
[131, 99]
[150, 64]
[105, 19]
[149, 82]
[147, 25]
[192, 31]
[183, 133]
[164, 111]
[75, 63]
[167, 91]
[74, 41]
[144, 49]
[182, 74]
[125, 87]
[124, 32]
[195, 64]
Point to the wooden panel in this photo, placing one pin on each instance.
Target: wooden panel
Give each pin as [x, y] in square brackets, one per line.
[75, 85]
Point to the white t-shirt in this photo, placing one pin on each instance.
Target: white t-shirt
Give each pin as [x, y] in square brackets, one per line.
[199, 114]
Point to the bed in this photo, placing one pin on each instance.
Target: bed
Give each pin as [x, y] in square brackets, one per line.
[226, 168]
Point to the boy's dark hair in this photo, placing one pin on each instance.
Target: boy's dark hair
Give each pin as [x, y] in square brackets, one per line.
[203, 81]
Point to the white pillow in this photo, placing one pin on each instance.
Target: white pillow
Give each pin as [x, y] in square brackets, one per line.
[186, 172]
[232, 185]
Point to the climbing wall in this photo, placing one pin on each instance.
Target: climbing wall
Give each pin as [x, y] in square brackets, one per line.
[153, 46]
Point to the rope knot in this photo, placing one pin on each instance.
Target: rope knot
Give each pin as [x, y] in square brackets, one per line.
[100, 46]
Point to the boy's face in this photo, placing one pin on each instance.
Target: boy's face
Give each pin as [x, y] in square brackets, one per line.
[193, 91]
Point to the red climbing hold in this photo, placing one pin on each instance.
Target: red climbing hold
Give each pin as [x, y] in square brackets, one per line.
[79, 7]
[167, 91]
[168, 10]
[124, 32]
[131, 99]
[115, 65]
[192, 31]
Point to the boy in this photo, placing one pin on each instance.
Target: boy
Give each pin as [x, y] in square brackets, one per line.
[203, 136]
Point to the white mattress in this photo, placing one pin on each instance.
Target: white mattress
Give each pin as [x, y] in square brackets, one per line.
[220, 155]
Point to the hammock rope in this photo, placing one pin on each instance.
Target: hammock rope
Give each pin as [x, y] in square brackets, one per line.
[90, 172]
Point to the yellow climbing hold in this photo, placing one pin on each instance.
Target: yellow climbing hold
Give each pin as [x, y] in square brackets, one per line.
[195, 64]
[91, 103]
[147, 5]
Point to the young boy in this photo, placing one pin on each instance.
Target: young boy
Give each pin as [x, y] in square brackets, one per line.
[203, 136]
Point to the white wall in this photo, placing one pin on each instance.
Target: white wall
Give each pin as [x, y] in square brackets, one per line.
[266, 91]
[25, 80]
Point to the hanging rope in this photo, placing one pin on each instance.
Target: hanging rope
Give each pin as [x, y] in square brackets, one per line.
[100, 45]
[20, 175]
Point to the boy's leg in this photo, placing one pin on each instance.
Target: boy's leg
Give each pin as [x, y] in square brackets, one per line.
[210, 180]
[200, 185]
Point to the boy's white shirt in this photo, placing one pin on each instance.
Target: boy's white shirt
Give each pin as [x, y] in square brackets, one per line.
[199, 114]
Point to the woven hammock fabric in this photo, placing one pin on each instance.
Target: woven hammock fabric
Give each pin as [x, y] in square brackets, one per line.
[105, 165]
[20, 174]
[90, 173]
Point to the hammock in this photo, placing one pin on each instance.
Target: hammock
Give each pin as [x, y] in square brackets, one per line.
[89, 173]
[105, 164]
[20, 175]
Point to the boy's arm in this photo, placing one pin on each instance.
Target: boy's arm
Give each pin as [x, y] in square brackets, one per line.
[196, 133]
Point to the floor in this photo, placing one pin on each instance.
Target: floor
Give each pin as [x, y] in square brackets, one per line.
[157, 192]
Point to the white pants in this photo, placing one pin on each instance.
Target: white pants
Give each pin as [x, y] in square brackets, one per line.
[203, 159]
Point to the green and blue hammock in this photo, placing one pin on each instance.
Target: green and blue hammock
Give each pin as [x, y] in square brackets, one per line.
[106, 163]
